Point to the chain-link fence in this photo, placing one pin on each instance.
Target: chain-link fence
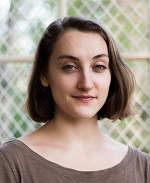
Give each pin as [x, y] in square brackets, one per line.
[22, 24]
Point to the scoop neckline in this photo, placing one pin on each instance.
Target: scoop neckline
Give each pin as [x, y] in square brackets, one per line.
[63, 169]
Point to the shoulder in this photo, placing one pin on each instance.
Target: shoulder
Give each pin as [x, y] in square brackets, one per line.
[9, 158]
[9, 147]
[140, 156]
[140, 163]
[13, 152]
[10, 152]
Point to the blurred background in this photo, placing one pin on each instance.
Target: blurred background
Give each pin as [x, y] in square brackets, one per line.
[22, 24]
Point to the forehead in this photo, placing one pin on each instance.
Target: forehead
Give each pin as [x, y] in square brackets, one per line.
[76, 40]
[75, 34]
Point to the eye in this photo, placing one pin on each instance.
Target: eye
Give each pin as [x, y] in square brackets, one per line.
[99, 68]
[69, 67]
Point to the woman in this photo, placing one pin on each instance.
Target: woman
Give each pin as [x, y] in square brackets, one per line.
[78, 78]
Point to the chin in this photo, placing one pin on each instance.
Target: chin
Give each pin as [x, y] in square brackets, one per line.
[86, 116]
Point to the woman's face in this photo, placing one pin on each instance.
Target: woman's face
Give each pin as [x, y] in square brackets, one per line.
[79, 74]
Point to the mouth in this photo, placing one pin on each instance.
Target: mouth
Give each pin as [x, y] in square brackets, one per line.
[84, 98]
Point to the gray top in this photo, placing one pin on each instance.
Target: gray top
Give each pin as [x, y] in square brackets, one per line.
[19, 164]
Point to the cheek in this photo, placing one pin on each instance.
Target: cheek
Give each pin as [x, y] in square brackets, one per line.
[60, 87]
[108, 82]
[108, 86]
[105, 85]
[106, 79]
[62, 81]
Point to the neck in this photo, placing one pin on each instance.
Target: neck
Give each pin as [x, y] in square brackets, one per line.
[74, 131]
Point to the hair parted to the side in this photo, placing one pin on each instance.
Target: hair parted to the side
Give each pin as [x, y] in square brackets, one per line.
[40, 103]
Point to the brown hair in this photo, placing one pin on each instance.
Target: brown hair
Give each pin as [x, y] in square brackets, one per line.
[40, 103]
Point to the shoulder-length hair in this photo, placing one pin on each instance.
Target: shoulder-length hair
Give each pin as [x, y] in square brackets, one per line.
[40, 103]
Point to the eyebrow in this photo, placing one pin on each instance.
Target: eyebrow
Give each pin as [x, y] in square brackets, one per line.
[76, 59]
[67, 57]
[100, 55]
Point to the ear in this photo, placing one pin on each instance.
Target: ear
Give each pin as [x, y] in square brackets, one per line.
[44, 80]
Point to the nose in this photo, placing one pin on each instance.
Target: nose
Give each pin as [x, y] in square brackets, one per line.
[85, 81]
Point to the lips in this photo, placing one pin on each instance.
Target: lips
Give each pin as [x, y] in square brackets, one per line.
[84, 98]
